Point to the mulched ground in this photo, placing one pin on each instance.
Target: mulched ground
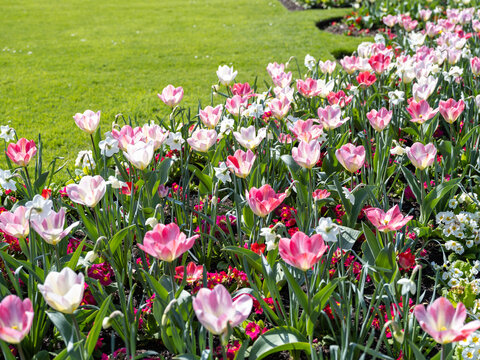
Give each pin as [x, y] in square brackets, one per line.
[291, 5]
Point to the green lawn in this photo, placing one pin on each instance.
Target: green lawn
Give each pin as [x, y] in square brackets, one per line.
[62, 57]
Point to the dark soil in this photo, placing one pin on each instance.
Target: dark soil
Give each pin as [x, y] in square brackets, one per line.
[291, 5]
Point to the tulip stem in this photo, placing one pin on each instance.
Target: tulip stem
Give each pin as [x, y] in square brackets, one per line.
[224, 352]
[79, 336]
[57, 257]
[20, 352]
[172, 275]
[442, 353]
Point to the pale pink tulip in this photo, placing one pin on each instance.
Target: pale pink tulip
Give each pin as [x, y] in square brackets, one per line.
[351, 157]
[306, 154]
[210, 116]
[330, 117]
[425, 14]
[350, 64]
[282, 79]
[171, 95]
[89, 191]
[154, 133]
[216, 310]
[264, 200]
[379, 119]
[128, 135]
[16, 318]
[63, 290]
[88, 121]
[390, 20]
[22, 152]
[420, 111]
[306, 131]
[392, 220]
[421, 155]
[140, 154]
[475, 65]
[241, 163]
[451, 109]
[15, 224]
[443, 322]
[279, 107]
[327, 67]
[51, 226]
[248, 138]
[275, 69]
[236, 105]
[302, 251]
[166, 242]
[320, 194]
[202, 139]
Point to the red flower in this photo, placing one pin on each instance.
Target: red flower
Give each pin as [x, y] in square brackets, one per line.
[406, 260]
[366, 79]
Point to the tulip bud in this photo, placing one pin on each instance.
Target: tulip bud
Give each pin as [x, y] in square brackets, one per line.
[107, 322]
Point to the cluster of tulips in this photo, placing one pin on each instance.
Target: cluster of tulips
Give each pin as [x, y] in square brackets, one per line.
[285, 188]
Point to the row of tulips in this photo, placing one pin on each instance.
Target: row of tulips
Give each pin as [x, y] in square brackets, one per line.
[294, 219]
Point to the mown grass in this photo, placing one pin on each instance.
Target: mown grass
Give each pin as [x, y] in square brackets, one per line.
[59, 58]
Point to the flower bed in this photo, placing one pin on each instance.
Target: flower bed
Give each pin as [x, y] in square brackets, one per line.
[315, 217]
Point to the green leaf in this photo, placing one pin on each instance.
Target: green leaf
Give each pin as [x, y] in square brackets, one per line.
[72, 264]
[293, 283]
[204, 178]
[413, 183]
[416, 352]
[321, 297]
[348, 237]
[117, 239]
[65, 329]
[42, 355]
[164, 169]
[283, 338]
[252, 258]
[97, 326]
[6, 351]
[434, 197]
[40, 182]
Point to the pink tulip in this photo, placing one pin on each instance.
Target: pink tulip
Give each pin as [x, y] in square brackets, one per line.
[320, 194]
[308, 88]
[279, 107]
[379, 119]
[350, 64]
[425, 14]
[51, 227]
[171, 95]
[22, 152]
[330, 117]
[451, 109]
[306, 154]
[327, 67]
[351, 157]
[202, 139]
[443, 322]
[210, 116]
[15, 224]
[306, 131]
[379, 63]
[166, 242]
[242, 90]
[128, 136]
[89, 191]
[392, 220]
[390, 20]
[16, 318]
[216, 310]
[422, 156]
[475, 65]
[420, 111]
[264, 200]
[241, 163]
[88, 121]
[236, 105]
[154, 133]
[282, 79]
[302, 251]
[193, 274]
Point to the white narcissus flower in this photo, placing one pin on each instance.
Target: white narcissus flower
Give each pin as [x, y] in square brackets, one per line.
[140, 154]
[7, 133]
[152, 222]
[63, 290]
[226, 74]
[407, 286]
[328, 229]
[116, 184]
[85, 160]
[38, 207]
[222, 173]
[6, 180]
[175, 141]
[109, 146]
[349, 195]
[310, 62]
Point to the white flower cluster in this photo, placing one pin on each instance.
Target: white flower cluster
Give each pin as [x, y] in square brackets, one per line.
[461, 230]
[470, 347]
